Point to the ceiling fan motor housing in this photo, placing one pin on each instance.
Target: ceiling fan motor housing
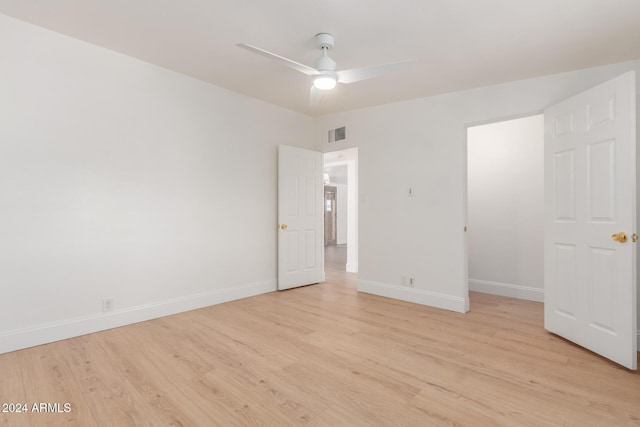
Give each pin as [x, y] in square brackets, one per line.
[324, 41]
[325, 64]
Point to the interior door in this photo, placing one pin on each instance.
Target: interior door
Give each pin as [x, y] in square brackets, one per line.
[300, 233]
[590, 220]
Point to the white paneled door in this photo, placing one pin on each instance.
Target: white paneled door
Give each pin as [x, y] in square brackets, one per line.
[590, 220]
[300, 210]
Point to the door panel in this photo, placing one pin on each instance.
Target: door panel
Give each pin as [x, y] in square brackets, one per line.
[602, 262]
[564, 187]
[292, 239]
[565, 279]
[601, 181]
[311, 237]
[590, 279]
[300, 247]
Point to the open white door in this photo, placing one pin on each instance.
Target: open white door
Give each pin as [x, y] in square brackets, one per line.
[590, 173]
[300, 210]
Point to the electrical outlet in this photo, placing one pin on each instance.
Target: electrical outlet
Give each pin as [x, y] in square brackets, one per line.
[408, 281]
[107, 305]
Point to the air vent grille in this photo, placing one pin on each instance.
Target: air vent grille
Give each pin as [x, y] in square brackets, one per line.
[337, 134]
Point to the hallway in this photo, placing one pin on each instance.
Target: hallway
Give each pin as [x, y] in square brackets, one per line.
[335, 257]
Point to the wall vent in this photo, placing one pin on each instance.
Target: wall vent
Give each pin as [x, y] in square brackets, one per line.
[337, 134]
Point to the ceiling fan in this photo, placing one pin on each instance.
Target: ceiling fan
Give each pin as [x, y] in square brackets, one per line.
[325, 77]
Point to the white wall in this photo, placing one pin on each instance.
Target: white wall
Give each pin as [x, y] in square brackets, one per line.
[119, 179]
[506, 207]
[421, 144]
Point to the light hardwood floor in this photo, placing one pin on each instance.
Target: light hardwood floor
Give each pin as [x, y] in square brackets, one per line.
[324, 355]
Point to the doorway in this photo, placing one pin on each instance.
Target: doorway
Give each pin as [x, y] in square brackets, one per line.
[341, 210]
[330, 216]
[505, 208]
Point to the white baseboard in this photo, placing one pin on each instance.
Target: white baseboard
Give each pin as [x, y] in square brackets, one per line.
[507, 290]
[418, 296]
[69, 328]
[352, 267]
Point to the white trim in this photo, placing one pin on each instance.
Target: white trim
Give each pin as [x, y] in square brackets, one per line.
[507, 290]
[417, 296]
[352, 267]
[55, 331]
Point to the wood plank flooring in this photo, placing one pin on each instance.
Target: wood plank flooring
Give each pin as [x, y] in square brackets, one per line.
[324, 355]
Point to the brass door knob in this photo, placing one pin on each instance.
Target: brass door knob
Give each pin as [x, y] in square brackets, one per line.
[283, 226]
[619, 237]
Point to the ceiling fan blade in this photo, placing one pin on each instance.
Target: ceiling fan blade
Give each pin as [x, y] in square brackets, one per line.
[288, 62]
[315, 95]
[364, 73]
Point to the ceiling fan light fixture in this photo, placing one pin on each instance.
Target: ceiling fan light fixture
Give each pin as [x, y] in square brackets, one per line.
[325, 82]
[324, 74]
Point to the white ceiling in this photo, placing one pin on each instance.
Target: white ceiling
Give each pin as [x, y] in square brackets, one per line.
[459, 44]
